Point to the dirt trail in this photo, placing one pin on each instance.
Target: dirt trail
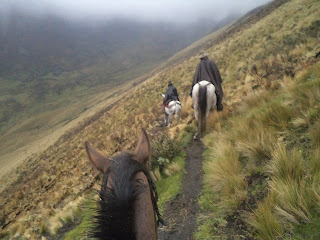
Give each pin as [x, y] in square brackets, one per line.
[181, 212]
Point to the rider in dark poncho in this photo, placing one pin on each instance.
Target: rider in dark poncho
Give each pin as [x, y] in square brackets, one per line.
[208, 70]
[170, 95]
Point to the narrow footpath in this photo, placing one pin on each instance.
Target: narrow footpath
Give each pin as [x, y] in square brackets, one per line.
[181, 212]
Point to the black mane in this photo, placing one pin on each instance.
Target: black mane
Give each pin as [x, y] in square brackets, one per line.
[115, 217]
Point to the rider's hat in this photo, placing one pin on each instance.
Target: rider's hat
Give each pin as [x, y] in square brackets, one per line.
[203, 54]
[169, 83]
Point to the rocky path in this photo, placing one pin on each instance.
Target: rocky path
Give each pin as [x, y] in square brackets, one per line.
[181, 212]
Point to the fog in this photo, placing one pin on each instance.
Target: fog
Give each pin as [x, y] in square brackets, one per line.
[176, 11]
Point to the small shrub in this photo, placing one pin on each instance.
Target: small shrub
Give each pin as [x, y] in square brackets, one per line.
[163, 151]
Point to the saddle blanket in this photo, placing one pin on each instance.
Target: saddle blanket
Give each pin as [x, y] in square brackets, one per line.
[167, 105]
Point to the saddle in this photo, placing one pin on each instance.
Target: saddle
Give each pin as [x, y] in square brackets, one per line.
[171, 105]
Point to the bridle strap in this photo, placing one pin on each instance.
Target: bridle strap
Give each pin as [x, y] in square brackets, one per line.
[154, 199]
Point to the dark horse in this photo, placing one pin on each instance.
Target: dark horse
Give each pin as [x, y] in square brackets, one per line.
[128, 198]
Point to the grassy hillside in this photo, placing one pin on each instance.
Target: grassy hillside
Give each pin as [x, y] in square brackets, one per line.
[49, 67]
[262, 167]
[258, 60]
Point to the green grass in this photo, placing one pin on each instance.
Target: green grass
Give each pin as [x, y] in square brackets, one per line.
[86, 212]
[170, 186]
[307, 231]
[211, 215]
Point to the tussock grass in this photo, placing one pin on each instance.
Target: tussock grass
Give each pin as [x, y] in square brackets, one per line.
[255, 99]
[277, 137]
[264, 221]
[294, 201]
[274, 114]
[315, 133]
[286, 166]
[224, 176]
[299, 122]
[254, 140]
[314, 164]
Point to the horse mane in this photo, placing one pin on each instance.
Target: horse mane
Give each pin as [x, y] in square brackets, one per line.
[115, 218]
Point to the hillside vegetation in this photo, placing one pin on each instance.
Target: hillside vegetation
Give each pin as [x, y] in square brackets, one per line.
[50, 66]
[261, 167]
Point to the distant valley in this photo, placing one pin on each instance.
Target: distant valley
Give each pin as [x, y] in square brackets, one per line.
[52, 70]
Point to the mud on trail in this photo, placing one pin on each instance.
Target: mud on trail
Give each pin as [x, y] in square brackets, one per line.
[181, 212]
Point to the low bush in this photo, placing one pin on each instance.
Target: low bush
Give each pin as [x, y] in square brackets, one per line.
[164, 150]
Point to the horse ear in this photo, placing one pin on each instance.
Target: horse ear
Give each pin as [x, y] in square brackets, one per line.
[142, 151]
[98, 160]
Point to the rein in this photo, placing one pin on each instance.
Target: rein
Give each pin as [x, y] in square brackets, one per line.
[154, 199]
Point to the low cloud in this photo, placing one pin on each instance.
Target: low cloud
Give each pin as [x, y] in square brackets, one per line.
[178, 11]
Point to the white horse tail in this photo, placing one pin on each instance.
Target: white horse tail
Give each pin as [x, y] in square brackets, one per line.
[202, 109]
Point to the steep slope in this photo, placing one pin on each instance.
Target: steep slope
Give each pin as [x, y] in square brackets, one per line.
[257, 56]
[49, 64]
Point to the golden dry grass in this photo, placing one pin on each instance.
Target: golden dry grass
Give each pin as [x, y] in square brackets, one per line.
[224, 175]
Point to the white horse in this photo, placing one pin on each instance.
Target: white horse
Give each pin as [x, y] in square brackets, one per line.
[173, 108]
[204, 100]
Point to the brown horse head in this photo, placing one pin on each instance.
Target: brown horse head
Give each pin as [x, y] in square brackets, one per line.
[127, 196]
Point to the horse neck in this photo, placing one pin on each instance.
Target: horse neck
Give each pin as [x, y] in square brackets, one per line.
[126, 206]
[145, 224]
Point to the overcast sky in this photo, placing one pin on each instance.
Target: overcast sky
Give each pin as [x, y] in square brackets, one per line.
[151, 10]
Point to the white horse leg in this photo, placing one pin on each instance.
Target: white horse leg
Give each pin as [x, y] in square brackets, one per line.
[166, 116]
[170, 120]
[177, 116]
[196, 115]
[177, 113]
[195, 103]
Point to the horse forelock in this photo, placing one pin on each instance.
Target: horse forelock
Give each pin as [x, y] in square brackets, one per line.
[119, 191]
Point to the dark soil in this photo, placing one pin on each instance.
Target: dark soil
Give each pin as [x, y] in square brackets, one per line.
[181, 212]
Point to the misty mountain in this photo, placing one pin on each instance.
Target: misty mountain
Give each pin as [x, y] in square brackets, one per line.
[43, 44]
[48, 63]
